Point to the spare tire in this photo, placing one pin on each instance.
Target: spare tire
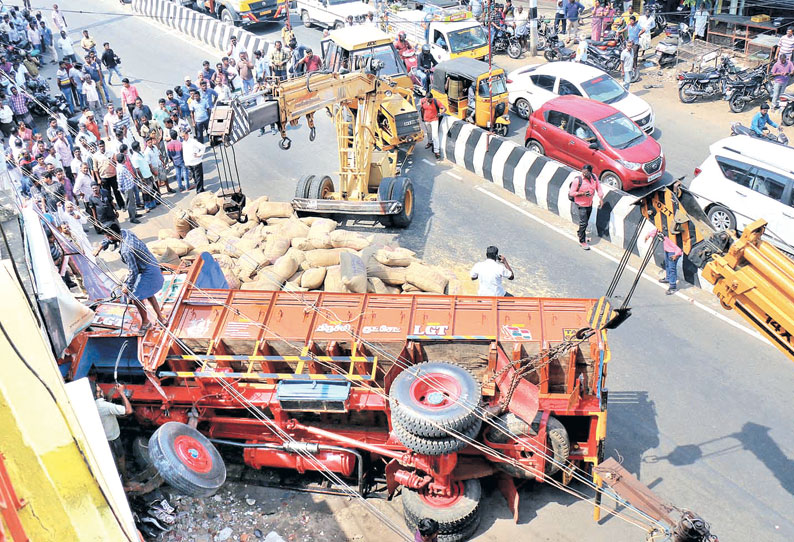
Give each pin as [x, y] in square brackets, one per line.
[186, 460]
[465, 532]
[455, 514]
[436, 445]
[429, 399]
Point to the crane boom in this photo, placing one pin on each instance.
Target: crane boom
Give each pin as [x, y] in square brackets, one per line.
[749, 275]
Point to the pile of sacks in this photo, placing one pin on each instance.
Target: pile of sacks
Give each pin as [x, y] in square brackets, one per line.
[276, 250]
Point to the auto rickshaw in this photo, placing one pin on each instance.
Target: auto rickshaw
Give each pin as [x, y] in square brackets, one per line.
[450, 86]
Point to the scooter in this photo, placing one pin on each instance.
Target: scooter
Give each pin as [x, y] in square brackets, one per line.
[410, 61]
[787, 116]
[737, 128]
[667, 49]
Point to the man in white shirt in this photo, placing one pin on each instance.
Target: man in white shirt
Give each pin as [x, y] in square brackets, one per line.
[490, 273]
[193, 154]
[65, 45]
[108, 412]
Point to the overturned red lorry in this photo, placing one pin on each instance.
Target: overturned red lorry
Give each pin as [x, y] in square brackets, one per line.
[430, 392]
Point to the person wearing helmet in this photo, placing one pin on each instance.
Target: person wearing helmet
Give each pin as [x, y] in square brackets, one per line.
[424, 66]
[402, 45]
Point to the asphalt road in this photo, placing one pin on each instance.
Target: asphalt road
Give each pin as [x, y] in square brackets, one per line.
[699, 409]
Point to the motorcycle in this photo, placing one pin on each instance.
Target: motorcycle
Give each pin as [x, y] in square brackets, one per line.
[607, 60]
[660, 21]
[507, 42]
[694, 85]
[787, 116]
[737, 128]
[556, 51]
[45, 105]
[754, 87]
[667, 49]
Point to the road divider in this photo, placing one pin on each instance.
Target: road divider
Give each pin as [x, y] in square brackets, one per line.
[545, 182]
[199, 26]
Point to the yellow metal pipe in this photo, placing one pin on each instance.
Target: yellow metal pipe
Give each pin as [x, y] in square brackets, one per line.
[777, 257]
[771, 272]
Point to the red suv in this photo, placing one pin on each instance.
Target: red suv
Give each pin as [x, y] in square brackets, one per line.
[577, 131]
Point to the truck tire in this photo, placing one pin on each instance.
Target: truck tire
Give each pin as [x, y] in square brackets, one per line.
[226, 17]
[402, 190]
[320, 187]
[437, 446]
[186, 460]
[306, 19]
[302, 188]
[140, 452]
[439, 392]
[556, 437]
[454, 514]
[464, 533]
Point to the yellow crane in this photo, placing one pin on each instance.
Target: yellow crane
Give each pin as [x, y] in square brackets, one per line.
[377, 125]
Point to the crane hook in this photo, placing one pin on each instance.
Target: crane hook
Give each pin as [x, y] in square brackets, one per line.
[312, 133]
[285, 143]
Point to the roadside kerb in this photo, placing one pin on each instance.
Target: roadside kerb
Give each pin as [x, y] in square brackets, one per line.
[545, 182]
[203, 28]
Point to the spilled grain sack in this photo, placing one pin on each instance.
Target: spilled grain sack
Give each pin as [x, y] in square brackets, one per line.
[273, 209]
[313, 278]
[425, 278]
[354, 272]
[348, 239]
[182, 222]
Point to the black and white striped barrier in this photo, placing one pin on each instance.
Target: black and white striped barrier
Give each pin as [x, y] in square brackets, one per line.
[545, 183]
[202, 27]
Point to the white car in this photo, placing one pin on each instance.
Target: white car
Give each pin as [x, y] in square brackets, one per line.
[532, 86]
[744, 179]
[332, 13]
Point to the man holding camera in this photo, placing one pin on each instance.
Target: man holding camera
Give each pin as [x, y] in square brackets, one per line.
[490, 273]
[581, 194]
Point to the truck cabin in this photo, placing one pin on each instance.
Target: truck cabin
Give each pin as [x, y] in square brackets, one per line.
[348, 49]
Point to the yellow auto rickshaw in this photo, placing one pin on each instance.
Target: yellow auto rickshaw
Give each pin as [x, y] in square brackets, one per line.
[450, 85]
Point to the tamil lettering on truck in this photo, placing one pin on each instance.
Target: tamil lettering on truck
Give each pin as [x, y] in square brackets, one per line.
[243, 12]
[332, 13]
[451, 31]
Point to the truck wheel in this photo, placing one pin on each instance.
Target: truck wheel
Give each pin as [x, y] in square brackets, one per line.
[456, 514]
[434, 397]
[140, 452]
[402, 190]
[321, 187]
[186, 460]
[306, 19]
[557, 439]
[302, 188]
[226, 17]
[440, 445]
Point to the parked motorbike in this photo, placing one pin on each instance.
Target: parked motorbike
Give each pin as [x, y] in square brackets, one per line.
[742, 91]
[713, 82]
[556, 50]
[667, 49]
[787, 102]
[737, 128]
[45, 104]
[506, 42]
[607, 60]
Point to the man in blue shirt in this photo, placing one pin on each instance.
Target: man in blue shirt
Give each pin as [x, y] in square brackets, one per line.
[200, 112]
[760, 120]
[572, 11]
[634, 31]
[208, 94]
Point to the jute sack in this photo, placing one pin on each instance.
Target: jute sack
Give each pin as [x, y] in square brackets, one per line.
[408, 287]
[212, 248]
[275, 247]
[251, 261]
[303, 243]
[354, 272]
[251, 207]
[425, 278]
[231, 279]
[293, 228]
[333, 280]
[393, 276]
[206, 200]
[179, 246]
[376, 286]
[221, 214]
[322, 257]
[273, 209]
[196, 237]
[394, 256]
[245, 227]
[182, 222]
[284, 267]
[168, 257]
[268, 275]
[321, 227]
[296, 255]
[455, 287]
[168, 233]
[313, 278]
[348, 239]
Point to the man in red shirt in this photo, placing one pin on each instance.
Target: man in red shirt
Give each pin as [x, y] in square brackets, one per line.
[311, 61]
[583, 188]
[430, 110]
